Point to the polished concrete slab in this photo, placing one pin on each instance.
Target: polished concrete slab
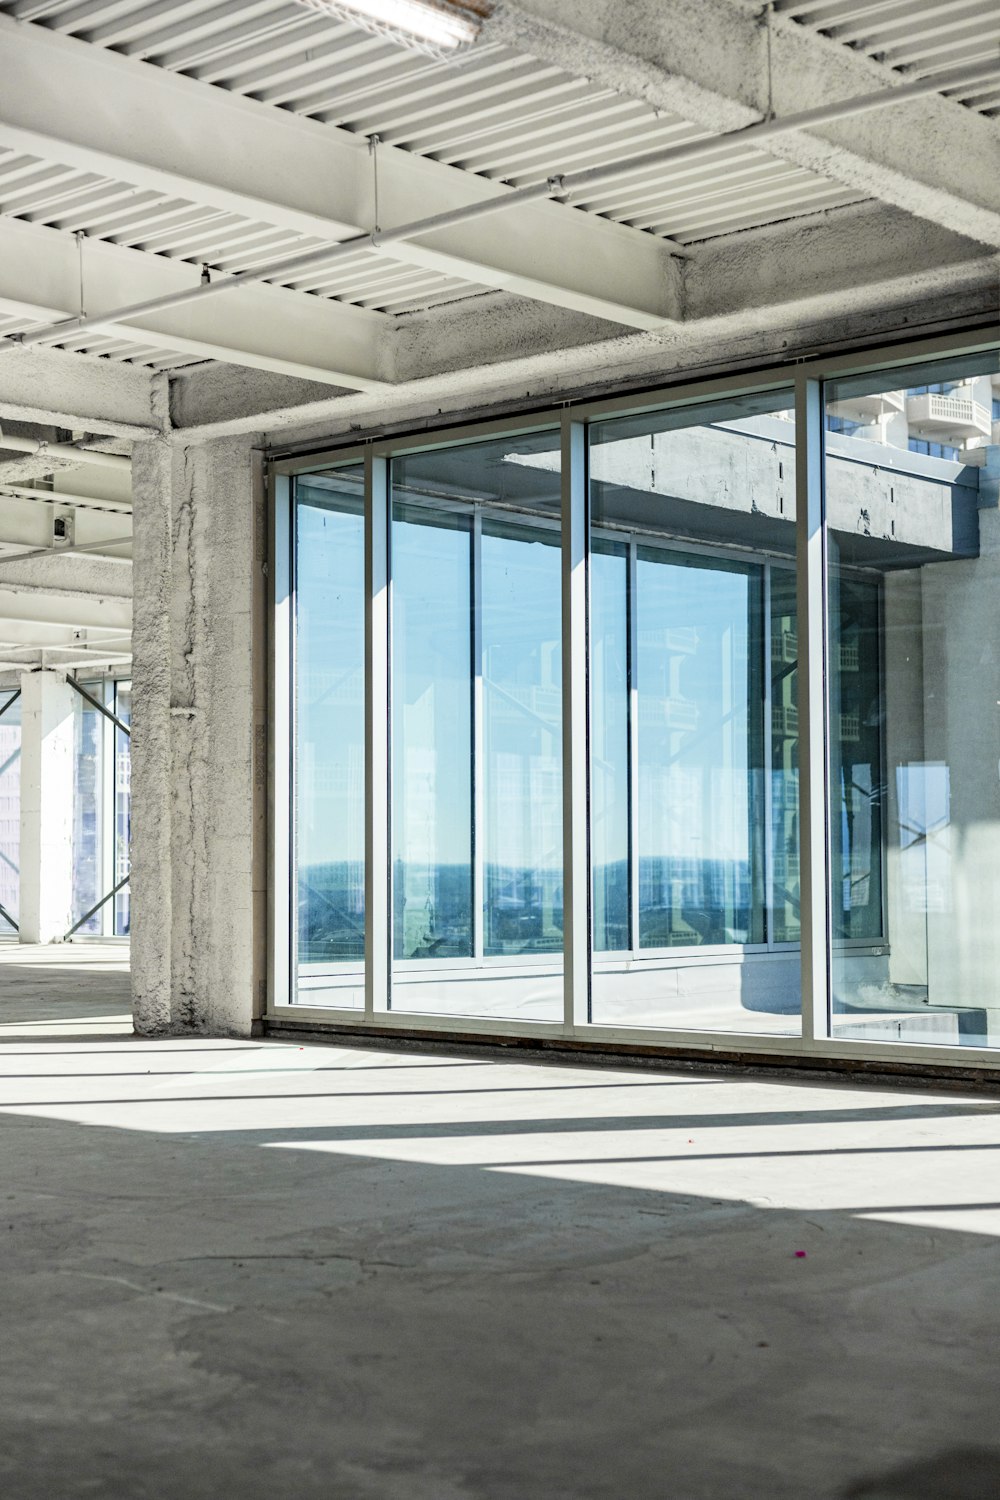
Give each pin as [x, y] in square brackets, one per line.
[260, 1269]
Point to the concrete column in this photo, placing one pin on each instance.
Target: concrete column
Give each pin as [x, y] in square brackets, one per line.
[197, 846]
[46, 879]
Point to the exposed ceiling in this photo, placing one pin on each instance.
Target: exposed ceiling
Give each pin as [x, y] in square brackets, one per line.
[148, 145]
[134, 166]
[918, 37]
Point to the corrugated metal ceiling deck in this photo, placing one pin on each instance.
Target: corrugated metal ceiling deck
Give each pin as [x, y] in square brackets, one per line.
[921, 36]
[494, 112]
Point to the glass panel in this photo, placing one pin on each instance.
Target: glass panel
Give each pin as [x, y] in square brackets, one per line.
[698, 685]
[609, 793]
[432, 734]
[329, 675]
[913, 569]
[784, 781]
[477, 725]
[694, 770]
[123, 807]
[522, 733]
[88, 810]
[10, 807]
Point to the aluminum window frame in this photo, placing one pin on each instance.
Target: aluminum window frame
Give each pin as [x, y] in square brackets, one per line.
[807, 378]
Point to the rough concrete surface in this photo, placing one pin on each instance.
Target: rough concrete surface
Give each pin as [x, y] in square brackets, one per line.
[269, 1269]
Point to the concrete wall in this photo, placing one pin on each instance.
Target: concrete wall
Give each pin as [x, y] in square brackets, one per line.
[197, 793]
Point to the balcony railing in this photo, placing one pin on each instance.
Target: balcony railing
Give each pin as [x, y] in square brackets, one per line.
[948, 419]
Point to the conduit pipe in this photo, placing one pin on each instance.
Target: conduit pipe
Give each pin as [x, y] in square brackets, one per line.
[555, 186]
[63, 450]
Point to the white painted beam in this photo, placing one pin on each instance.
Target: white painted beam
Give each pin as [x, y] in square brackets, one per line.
[25, 598]
[933, 158]
[64, 101]
[263, 327]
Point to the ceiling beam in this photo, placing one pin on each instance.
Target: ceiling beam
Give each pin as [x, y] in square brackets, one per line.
[44, 387]
[786, 291]
[41, 605]
[264, 327]
[188, 140]
[934, 158]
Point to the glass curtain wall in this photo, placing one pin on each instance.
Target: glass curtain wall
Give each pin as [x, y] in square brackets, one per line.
[101, 809]
[329, 730]
[694, 779]
[693, 821]
[476, 716]
[10, 809]
[913, 581]
[92, 877]
[122, 806]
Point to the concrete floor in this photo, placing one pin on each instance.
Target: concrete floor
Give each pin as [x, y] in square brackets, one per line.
[237, 1269]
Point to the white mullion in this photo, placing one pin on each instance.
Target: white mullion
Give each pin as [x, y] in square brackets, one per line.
[378, 907]
[768, 747]
[632, 623]
[575, 725]
[814, 886]
[478, 745]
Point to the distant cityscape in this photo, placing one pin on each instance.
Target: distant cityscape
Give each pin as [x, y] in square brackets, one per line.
[682, 903]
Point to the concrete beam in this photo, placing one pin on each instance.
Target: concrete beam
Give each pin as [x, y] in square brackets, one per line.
[846, 277]
[861, 256]
[64, 101]
[44, 386]
[933, 157]
[260, 326]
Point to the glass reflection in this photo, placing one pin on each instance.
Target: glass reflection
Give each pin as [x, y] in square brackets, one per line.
[89, 810]
[696, 684]
[693, 719]
[610, 737]
[10, 808]
[476, 729]
[330, 733]
[522, 732]
[123, 807]
[432, 734]
[784, 780]
[913, 575]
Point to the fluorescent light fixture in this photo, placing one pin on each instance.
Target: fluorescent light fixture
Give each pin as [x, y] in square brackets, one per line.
[433, 26]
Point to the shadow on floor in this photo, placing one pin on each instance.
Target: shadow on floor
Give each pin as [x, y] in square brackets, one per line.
[64, 990]
[381, 1331]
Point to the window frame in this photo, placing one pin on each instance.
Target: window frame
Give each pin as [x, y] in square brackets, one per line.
[806, 378]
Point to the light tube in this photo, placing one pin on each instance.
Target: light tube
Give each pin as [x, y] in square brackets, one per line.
[434, 26]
